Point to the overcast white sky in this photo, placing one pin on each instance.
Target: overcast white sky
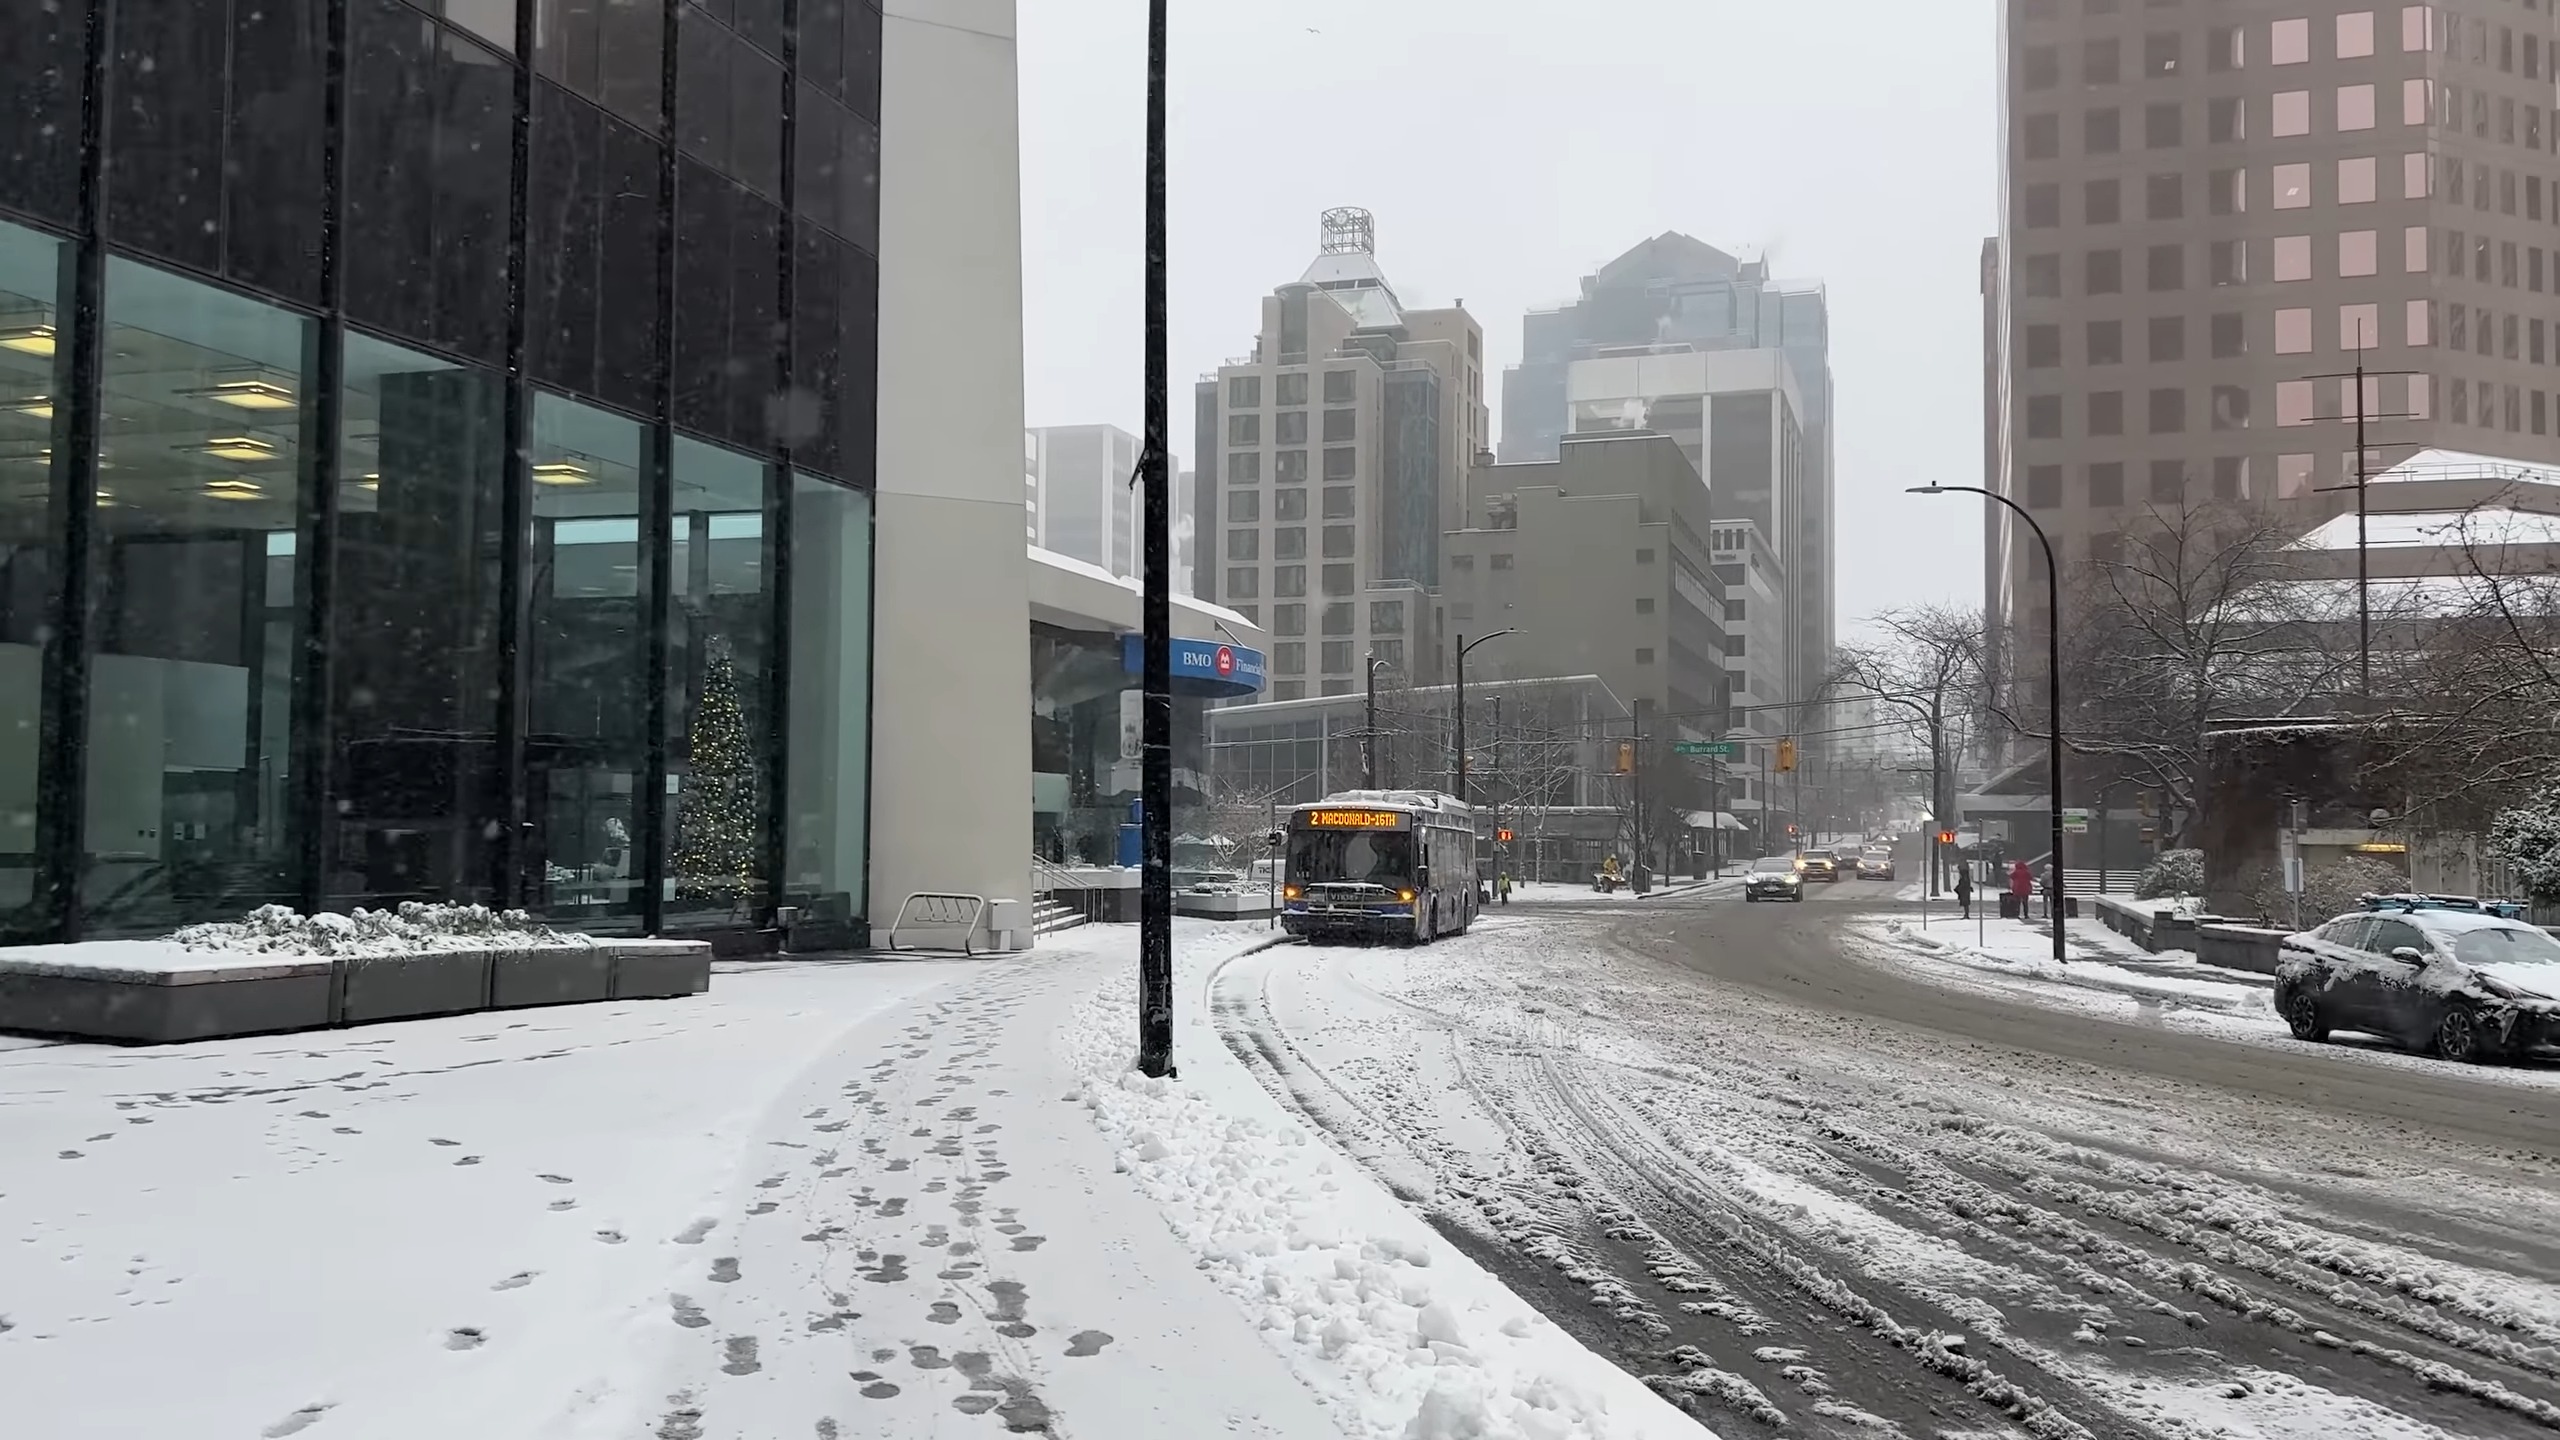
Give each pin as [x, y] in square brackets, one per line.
[1508, 147]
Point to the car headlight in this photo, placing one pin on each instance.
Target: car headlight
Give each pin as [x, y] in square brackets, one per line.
[1792, 879]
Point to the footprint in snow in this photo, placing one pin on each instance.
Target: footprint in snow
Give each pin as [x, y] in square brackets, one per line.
[1085, 1343]
[695, 1233]
[299, 1421]
[553, 1179]
[610, 1237]
[440, 1140]
[517, 1281]
[740, 1351]
[724, 1271]
[464, 1337]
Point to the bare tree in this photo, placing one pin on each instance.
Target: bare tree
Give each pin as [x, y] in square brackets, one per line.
[2203, 618]
[1928, 670]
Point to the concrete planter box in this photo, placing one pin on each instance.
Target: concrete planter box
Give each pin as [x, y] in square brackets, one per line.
[2240, 947]
[405, 987]
[153, 992]
[523, 978]
[659, 969]
[2152, 928]
[1223, 907]
[155, 1007]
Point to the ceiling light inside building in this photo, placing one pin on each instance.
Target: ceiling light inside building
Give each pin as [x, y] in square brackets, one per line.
[242, 448]
[563, 472]
[27, 339]
[38, 406]
[248, 392]
[235, 488]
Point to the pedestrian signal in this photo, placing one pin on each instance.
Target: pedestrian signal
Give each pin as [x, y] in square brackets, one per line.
[1626, 757]
[1786, 756]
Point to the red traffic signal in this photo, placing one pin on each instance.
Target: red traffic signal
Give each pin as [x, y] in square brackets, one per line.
[1946, 837]
[1503, 836]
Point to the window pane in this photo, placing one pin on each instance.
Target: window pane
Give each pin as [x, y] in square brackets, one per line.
[2293, 332]
[2289, 42]
[2292, 257]
[2292, 186]
[164, 192]
[2291, 115]
[29, 278]
[39, 106]
[2356, 180]
[719, 635]
[2359, 252]
[191, 680]
[586, 635]
[415, 687]
[2355, 107]
[830, 707]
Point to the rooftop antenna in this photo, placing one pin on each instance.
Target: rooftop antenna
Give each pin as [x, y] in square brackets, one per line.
[1349, 230]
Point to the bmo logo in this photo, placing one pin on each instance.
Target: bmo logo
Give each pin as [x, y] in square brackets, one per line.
[1226, 661]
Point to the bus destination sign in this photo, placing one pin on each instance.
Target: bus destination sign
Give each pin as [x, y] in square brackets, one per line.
[1354, 820]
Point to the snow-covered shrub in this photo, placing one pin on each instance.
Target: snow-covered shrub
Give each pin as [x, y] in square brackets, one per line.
[2174, 872]
[2328, 890]
[281, 929]
[2527, 838]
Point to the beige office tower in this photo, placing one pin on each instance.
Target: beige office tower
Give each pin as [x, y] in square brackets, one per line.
[2210, 212]
[1331, 460]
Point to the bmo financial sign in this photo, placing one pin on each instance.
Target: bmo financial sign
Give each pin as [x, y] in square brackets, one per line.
[1202, 667]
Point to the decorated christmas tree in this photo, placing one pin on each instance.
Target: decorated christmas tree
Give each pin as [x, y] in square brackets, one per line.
[719, 829]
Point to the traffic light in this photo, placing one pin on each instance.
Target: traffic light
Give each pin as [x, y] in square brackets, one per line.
[1946, 837]
[1626, 757]
[1502, 836]
[1786, 756]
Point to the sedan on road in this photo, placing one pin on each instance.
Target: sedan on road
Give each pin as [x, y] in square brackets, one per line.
[1774, 878]
[1876, 865]
[2467, 986]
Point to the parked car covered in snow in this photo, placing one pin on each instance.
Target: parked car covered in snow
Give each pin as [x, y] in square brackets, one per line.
[2466, 984]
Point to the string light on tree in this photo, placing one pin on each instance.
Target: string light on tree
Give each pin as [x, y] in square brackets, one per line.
[719, 827]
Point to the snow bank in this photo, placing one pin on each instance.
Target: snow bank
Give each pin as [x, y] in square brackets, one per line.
[2027, 954]
[282, 930]
[1406, 1338]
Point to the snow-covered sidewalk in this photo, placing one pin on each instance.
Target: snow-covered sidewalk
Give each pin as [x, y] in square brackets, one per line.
[836, 1199]
[2004, 953]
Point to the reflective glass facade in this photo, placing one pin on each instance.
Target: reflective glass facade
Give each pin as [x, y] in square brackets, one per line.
[436, 444]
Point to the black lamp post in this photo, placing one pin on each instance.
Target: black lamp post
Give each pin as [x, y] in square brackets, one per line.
[1465, 645]
[2052, 683]
[1155, 478]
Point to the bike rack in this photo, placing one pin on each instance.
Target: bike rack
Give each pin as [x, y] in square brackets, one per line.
[942, 910]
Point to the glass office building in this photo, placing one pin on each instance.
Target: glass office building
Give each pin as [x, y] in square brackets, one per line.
[436, 460]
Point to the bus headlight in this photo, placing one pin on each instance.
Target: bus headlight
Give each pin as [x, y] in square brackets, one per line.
[1405, 895]
[1291, 892]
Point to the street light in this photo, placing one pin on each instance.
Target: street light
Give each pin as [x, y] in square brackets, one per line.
[2052, 684]
[1465, 645]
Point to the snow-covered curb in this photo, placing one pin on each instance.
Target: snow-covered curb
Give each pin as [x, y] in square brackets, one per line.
[2083, 974]
[1402, 1334]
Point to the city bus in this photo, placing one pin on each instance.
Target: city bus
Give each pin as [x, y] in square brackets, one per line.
[1380, 864]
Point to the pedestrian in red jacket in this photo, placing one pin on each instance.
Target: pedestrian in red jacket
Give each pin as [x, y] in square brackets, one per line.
[2022, 883]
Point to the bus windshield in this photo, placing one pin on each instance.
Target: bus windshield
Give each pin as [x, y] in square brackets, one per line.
[1375, 857]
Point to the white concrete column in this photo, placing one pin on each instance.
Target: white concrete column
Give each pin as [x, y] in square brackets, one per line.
[951, 685]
